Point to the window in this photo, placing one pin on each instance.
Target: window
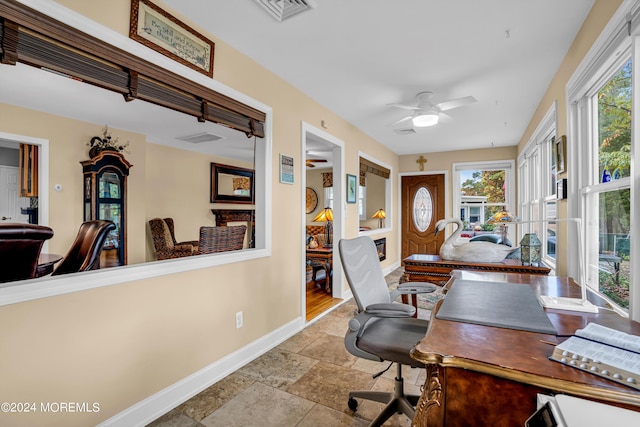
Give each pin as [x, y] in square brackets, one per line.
[537, 177]
[328, 197]
[600, 97]
[483, 190]
[362, 202]
[607, 194]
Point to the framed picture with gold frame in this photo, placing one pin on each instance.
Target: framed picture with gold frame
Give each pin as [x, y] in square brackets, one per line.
[156, 29]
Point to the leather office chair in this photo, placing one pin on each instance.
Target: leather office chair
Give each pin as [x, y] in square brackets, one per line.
[382, 330]
[20, 247]
[84, 253]
[164, 240]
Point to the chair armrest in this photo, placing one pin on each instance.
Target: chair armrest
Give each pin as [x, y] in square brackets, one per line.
[390, 310]
[416, 288]
[377, 311]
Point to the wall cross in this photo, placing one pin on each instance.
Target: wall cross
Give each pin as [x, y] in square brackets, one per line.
[421, 160]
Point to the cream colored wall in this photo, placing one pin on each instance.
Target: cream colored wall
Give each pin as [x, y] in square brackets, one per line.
[120, 344]
[181, 189]
[443, 162]
[600, 14]
[67, 141]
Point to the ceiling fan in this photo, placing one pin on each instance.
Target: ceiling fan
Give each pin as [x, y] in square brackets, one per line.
[310, 162]
[426, 113]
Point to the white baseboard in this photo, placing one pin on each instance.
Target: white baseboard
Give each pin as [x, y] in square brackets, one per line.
[147, 410]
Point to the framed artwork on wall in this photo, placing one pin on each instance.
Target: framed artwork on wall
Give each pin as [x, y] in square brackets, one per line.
[561, 153]
[286, 169]
[352, 188]
[157, 29]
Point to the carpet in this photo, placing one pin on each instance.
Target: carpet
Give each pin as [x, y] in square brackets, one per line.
[425, 301]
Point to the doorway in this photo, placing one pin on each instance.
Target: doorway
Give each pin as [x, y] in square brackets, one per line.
[423, 204]
[13, 141]
[323, 186]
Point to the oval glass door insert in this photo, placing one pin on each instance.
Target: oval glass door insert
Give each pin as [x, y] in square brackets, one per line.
[422, 209]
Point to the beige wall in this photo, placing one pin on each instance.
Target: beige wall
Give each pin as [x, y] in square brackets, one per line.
[68, 147]
[120, 344]
[443, 161]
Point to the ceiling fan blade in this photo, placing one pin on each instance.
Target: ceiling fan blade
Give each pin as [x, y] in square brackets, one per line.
[316, 161]
[310, 165]
[404, 106]
[455, 103]
[401, 121]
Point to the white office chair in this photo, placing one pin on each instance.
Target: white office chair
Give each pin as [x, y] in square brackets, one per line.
[381, 329]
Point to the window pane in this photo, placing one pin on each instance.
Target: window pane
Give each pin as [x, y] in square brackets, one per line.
[614, 126]
[488, 185]
[552, 229]
[422, 209]
[614, 239]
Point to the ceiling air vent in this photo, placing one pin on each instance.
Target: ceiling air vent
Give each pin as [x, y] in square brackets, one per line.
[199, 138]
[283, 9]
[407, 131]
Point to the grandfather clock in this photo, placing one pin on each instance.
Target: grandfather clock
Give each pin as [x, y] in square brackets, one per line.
[105, 197]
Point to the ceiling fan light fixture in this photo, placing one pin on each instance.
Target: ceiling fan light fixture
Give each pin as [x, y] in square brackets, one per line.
[425, 119]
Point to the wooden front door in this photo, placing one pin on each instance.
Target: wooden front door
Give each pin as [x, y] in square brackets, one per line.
[422, 207]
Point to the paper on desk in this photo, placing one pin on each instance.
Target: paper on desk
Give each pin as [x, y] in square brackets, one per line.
[585, 413]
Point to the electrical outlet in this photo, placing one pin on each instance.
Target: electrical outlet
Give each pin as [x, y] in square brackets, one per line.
[239, 320]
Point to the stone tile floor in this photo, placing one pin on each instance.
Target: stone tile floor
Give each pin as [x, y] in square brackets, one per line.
[304, 381]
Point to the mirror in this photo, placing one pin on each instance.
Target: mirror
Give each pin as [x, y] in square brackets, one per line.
[231, 184]
[373, 194]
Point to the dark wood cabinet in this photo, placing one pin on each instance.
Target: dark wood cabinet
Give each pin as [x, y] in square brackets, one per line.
[105, 197]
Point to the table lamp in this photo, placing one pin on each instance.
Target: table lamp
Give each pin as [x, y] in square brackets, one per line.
[503, 218]
[326, 215]
[380, 215]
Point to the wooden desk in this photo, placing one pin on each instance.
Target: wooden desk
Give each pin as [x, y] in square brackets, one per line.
[488, 376]
[325, 257]
[430, 268]
[46, 263]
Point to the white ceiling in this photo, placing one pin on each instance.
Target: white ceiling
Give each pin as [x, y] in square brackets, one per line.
[356, 56]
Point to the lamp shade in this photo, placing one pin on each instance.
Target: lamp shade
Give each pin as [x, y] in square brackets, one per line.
[380, 214]
[502, 217]
[325, 215]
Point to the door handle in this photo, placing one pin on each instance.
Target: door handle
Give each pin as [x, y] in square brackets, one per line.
[4, 218]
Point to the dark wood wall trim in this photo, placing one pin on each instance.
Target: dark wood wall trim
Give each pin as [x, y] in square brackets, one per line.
[33, 38]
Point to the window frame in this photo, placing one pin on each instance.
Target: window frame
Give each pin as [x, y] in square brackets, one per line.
[619, 41]
[507, 165]
[537, 179]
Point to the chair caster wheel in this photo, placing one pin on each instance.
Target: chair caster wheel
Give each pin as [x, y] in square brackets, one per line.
[353, 404]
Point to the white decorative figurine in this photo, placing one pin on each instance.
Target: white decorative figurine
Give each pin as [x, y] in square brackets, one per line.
[471, 251]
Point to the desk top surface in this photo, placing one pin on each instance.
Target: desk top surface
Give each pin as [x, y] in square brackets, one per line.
[523, 356]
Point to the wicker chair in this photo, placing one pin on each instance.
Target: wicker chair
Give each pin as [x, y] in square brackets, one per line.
[164, 240]
[221, 239]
